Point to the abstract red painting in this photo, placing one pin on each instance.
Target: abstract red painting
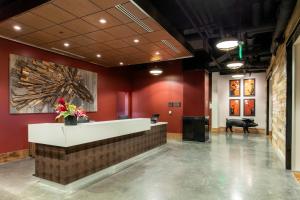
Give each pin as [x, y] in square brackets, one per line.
[249, 107]
[234, 107]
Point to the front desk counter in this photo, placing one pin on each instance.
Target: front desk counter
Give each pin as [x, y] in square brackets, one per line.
[65, 154]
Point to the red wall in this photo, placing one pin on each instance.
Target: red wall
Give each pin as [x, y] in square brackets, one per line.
[147, 94]
[196, 93]
[151, 94]
[13, 127]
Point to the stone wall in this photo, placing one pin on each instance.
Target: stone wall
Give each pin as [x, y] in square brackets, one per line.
[278, 87]
[277, 71]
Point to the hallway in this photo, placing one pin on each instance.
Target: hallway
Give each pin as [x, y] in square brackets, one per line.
[232, 167]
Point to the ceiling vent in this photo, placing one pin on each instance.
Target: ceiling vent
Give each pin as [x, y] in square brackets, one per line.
[66, 52]
[171, 46]
[134, 18]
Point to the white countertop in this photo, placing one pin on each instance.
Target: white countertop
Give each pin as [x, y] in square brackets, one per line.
[57, 134]
[159, 123]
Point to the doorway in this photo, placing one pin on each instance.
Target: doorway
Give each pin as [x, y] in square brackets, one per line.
[123, 105]
[296, 106]
[292, 142]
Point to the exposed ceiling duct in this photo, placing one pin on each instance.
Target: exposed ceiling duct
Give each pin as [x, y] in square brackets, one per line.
[285, 11]
[204, 23]
[256, 13]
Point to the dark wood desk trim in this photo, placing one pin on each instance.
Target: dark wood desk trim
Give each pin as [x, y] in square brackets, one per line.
[67, 164]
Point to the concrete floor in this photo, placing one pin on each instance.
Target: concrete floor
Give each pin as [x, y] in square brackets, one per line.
[232, 167]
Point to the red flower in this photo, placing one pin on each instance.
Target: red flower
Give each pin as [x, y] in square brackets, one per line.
[61, 101]
[61, 108]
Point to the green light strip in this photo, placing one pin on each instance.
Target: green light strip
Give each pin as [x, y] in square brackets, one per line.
[241, 51]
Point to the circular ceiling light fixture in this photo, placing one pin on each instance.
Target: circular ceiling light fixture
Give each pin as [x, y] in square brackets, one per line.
[121, 63]
[227, 44]
[136, 40]
[235, 64]
[98, 55]
[238, 76]
[66, 44]
[156, 71]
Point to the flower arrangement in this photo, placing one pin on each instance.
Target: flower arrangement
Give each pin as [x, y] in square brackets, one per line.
[66, 110]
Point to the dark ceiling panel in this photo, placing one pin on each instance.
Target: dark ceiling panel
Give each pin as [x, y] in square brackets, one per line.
[202, 23]
[9, 8]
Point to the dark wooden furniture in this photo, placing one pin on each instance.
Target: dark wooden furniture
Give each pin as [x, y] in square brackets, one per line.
[195, 128]
[67, 164]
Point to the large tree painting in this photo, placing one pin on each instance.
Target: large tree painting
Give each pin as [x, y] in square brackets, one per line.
[35, 86]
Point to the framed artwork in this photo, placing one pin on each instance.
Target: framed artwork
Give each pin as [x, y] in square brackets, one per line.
[234, 107]
[35, 85]
[234, 88]
[249, 87]
[249, 107]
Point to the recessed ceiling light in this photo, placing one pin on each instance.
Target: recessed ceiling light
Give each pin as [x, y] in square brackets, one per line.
[98, 55]
[66, 44]
[157, 53]
[17, 27]
[136, 40]
[238, 76]
[121, 63]
[227, 44]
[235, 64]
[102, 21]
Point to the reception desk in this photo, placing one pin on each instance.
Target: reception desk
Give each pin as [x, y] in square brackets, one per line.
[67, 153]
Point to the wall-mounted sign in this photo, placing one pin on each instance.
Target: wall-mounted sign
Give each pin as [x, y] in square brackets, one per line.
[176, 104]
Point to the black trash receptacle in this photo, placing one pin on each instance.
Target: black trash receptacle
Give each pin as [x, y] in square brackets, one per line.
[195, 128]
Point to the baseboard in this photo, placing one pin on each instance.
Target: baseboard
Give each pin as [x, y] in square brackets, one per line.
[174, 136]
[14, 155]
[239, 130]
[214, 130]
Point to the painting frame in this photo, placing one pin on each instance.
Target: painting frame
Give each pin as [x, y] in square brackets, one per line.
[233, 90]
[232, 110]
[247, 92]
[247, 111]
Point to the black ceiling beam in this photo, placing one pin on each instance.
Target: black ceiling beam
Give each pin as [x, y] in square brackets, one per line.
[179, 3]
[285, 10]
[11, 8]
[229, 72]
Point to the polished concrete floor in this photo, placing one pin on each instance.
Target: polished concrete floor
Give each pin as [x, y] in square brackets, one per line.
[230, 167]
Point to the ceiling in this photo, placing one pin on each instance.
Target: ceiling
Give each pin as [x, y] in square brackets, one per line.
[76, 22]
[200, 24]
